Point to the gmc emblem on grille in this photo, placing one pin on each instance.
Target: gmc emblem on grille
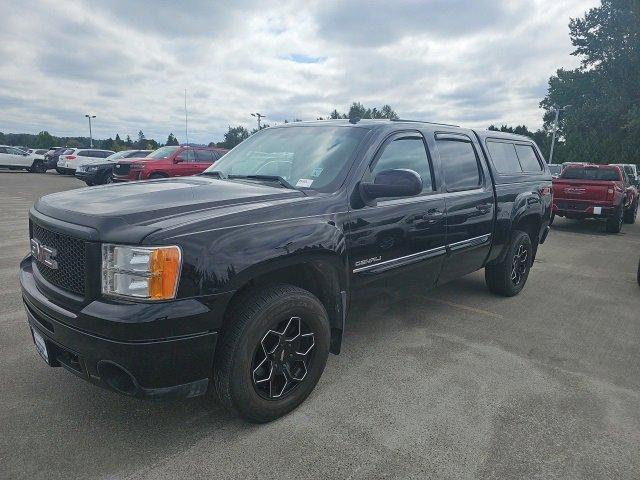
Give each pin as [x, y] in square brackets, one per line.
[44, 254]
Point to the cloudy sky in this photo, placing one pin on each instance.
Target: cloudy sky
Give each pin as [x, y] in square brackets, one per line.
[471, 62]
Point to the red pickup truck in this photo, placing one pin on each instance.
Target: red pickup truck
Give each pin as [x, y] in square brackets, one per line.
[595, 191]
[169, 161]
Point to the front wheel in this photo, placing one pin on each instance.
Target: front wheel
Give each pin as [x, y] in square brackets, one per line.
[508, 277]
[272, 353]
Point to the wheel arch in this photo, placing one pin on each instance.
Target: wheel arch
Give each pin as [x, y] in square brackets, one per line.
[322, 274]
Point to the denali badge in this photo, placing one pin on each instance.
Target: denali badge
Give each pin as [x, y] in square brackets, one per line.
[368, 261]
[44, 254]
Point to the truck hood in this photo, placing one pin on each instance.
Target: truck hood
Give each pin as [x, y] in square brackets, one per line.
[128, 212]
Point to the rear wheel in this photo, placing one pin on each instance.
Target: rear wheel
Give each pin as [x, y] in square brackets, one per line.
[614, 224]
[272, 354]
[553, 217]
[155, 176]
[107, 178]
[508, 277]
[631, 214]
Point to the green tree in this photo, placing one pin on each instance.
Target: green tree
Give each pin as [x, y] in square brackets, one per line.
[603, 123]
[44, 140]
[172, 140]
[234, 136]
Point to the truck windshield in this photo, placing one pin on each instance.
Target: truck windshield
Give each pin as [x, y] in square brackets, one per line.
[162, 152]
[587, 173]
[315, 157]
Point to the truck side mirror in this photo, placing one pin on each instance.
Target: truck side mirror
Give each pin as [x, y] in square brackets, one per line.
[392, 183]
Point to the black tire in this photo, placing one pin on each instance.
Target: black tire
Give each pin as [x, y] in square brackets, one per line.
[631, 214]
[258, 318]
[89, 184]
[553, 217]
[638, 272]
[107, 178]
[38, 167]
[155, 176]
[614, 224]
[59, 171]
[500, 277]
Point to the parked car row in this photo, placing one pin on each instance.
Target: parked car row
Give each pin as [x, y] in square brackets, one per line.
[99, 171]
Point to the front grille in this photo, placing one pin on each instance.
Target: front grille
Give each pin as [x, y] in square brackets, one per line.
[122, 168]
[71, 257]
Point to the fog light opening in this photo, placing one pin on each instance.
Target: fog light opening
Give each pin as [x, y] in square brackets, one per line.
[117, 378]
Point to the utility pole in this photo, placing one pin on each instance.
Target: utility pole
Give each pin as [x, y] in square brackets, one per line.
[555, 128]
[90, 134]
[258, 116]
[186, 118]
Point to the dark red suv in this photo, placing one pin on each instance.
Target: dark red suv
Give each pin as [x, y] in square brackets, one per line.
[169, 161]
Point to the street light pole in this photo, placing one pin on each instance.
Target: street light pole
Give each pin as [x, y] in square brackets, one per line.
[90, 134]
[258, 116]
[555, 129]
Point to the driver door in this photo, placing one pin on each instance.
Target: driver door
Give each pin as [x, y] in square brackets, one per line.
[186, 166]
[403, 236]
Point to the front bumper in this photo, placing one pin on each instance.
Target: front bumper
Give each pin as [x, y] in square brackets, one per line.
[171, 367]
[86, 176]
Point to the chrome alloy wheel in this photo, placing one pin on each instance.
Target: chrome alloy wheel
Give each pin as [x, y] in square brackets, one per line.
[519, 265]
[282, 358]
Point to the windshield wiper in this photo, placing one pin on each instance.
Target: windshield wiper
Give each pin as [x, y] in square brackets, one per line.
[269, 178]
[216, 173]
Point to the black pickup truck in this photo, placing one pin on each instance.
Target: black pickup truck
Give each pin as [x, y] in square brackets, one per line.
[241, 278]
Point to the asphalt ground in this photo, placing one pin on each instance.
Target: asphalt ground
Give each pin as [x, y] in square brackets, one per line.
[453, 383]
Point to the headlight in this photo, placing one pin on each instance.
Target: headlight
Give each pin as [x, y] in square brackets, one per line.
[148, 273]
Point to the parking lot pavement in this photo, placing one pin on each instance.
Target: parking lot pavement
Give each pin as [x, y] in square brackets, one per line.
[453, 383]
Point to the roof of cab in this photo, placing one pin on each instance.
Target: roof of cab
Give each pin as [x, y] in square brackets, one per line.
[386, 123]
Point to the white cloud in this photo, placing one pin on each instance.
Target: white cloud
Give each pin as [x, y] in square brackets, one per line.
[463, 61]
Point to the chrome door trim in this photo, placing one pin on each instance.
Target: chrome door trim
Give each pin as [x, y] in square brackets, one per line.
[469, 242]
[401, 261]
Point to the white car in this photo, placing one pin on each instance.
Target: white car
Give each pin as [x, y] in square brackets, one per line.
[69, 160]
[15, 159]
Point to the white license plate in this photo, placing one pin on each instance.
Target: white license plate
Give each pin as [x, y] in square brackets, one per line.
[41, 346]
[597, 210]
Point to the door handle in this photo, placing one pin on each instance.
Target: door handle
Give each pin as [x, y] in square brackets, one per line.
[432, 215]
[483, 208]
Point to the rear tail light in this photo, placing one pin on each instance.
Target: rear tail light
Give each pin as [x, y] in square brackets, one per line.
[70, 157]
[609, 193]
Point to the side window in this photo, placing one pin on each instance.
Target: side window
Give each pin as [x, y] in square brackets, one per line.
[3, 149]
[504, 158]
[459, 164]
[84, 153]
[203, 156]
[187, 155]
[16, 151]
[528, 158]
[408, 153]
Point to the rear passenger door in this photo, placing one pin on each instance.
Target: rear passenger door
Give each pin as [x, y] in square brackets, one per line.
[469, 204]
[399, 235]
